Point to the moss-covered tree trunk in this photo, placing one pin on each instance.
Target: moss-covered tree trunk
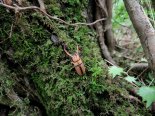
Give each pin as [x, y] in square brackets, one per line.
[36, 76]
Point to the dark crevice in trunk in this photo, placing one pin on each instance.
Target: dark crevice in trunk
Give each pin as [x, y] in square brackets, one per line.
[21, 88]
[4, 110]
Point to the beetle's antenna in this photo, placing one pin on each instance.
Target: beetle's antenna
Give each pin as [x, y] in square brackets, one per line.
[67, 51]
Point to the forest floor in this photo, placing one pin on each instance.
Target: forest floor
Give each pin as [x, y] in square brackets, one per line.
[128, 47]
[130, 52]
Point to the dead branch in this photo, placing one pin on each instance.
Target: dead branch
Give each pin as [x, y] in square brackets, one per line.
[110, 62]
[127, 57]
[17, 8]
[10, 35]
[139, 66]
[42, 5]
[143, 71]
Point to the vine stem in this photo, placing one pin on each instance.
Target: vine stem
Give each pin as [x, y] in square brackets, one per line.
[17, 8]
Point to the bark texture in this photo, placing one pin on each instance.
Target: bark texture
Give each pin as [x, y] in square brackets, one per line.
[108, 26]
[42, 6]
[103, 9]
[143, 28]
[101, 39]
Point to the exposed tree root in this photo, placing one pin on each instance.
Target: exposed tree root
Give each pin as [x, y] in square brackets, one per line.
[101, 11]
[42, 5]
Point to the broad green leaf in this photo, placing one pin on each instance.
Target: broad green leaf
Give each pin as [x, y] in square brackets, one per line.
[130, 79]
[114, 71]
[147, 94]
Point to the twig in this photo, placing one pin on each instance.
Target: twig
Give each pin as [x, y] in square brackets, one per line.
[151, 82]
[42, 6]
[110, 62]
[141, 80]
[10, 35]
[17, 8]
[142, 72]
[129, 58]
[138, 66]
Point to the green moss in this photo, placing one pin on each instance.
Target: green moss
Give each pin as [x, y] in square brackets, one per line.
[60, 89]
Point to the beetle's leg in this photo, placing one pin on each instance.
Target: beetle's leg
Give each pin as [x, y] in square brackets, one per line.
[77, 49]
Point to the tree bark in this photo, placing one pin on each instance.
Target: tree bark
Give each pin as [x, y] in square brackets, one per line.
[41, 4]
[108, 26]
[101, 40]
[144, 30]
[103, 9]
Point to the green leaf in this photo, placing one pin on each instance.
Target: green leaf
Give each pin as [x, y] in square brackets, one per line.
[147, 94]
[143, 60]
[131, 79]
[114, 71]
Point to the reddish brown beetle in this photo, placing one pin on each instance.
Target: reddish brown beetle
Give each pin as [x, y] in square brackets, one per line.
[76, 60]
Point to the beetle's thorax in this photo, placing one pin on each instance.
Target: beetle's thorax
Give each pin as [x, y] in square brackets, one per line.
[75, 57]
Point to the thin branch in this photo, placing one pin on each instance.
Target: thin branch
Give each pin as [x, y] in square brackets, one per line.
[143, 72]
[127, 57]
[151, 82]
[10, 35]
[138, 66]
[42, 5]
[17, 8]
[110, 62]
